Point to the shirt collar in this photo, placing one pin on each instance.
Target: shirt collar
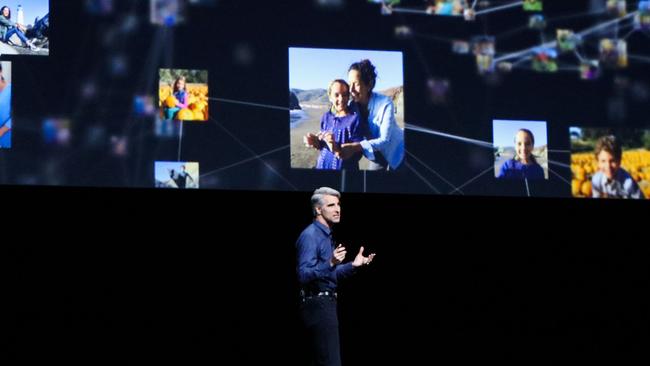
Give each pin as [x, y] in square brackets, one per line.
[618, 176]
[324, 228]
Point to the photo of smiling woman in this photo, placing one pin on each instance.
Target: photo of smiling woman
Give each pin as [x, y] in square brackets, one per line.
[356, 124]
[521, 150]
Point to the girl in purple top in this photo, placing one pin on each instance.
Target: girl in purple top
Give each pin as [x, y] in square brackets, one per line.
[339, 125]
[180, 93]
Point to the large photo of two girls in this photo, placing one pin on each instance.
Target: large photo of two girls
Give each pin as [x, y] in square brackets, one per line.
[346, 109]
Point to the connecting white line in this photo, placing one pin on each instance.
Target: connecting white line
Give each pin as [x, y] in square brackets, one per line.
[639, 58]
[254, 154]
[573, 16]
[251, 104]
[431, 170]
[180, 140]
[568, 68]
[434, 38]
[606, 24]
[524, 52]
[473, 179]
[559, 69]
[521, 61]
[559, 164]
[559, 176]
[499, 8]
[422, 178]
[527, 188]
[410, 11]
[453, 137]
[628, 34]
[560, 151]
[553, 44]
[511, 32]
[244, 161]
[364, 180]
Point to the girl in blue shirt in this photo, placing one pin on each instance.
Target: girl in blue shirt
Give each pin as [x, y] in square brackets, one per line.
[523, 165]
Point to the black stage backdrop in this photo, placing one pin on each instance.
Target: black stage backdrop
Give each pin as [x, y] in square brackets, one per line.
[136, 276]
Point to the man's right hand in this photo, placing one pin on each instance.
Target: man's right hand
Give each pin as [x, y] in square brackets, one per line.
[338, 256]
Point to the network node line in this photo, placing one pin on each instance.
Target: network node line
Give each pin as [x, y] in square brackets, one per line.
[646, 33]
[491, 168]
[574, 16]
[559, 176]
[499, 8]
[250, 104]
[180, 140]
[450, 136]
[606, 24]
[578, 55]
[527, 187]
[431, 170]
[434, 38]
[553, 44]
[252, 152]
[644, 59]
[365, 175]
[429, 184]
[410, 11]
[244, 161]
[559, 164]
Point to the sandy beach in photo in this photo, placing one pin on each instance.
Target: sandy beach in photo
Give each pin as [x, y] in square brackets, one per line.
[308, 119]
[303, 157]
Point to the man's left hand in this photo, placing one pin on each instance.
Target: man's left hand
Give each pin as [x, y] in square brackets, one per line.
[360, 260]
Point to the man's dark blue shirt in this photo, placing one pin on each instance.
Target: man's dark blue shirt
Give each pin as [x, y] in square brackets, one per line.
[315, 247]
